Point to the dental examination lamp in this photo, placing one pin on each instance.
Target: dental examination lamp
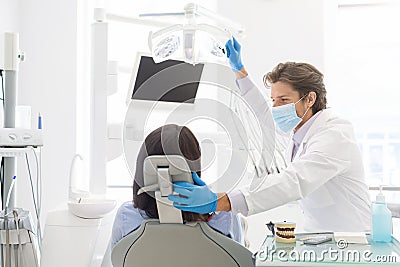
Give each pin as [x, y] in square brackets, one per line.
[191, 42]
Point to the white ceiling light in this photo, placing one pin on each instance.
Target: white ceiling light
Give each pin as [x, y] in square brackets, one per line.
[192, 42]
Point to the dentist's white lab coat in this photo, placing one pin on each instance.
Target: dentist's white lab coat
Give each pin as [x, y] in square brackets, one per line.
[326, 176]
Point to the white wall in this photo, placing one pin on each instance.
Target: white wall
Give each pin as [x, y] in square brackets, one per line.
[9, 21]
[47, 82]
[282, 30]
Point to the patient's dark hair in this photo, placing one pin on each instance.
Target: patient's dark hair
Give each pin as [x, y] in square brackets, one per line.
[169, 139]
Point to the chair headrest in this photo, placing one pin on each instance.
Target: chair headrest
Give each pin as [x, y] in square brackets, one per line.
[159, 172]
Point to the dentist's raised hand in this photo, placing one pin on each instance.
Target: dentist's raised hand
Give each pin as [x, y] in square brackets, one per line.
[196, 197]
[233, 53]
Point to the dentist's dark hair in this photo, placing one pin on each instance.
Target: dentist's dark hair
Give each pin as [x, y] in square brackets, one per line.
[304, 78]
[169, 139]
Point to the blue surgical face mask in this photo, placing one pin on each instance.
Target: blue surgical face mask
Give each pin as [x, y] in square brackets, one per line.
[285, 116]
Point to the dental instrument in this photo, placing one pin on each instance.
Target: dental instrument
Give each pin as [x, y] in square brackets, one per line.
[10, 191]
[8, 254]
[14, 142]
[39, 121]
[19, 254]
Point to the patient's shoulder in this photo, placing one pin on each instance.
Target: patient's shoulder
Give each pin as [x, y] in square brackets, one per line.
[221, 221]
[228, 224]
[222, 215]
[128, 214]
[127, 219]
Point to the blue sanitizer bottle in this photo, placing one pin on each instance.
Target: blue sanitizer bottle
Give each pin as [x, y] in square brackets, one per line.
[381, 220]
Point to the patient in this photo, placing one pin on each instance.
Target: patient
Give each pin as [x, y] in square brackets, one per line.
[170, 139]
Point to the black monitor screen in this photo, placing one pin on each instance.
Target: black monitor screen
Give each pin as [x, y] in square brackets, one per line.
[171, 81]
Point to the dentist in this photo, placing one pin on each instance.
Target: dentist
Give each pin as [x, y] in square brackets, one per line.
[325, 174]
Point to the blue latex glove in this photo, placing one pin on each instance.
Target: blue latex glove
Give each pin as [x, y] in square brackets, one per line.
[196, 197]
[233, 54]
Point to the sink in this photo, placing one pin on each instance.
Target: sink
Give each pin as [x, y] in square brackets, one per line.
[91, 208]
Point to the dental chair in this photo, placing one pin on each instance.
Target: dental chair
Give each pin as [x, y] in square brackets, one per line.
[167, 241]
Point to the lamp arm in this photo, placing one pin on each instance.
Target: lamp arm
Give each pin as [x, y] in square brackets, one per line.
[230, 25]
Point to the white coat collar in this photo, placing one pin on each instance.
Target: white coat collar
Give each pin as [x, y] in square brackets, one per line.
[320, 120]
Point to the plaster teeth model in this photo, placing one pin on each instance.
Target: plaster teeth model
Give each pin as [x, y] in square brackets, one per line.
[285, 232]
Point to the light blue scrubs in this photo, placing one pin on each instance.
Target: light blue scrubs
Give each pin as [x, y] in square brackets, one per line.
[129, 218]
